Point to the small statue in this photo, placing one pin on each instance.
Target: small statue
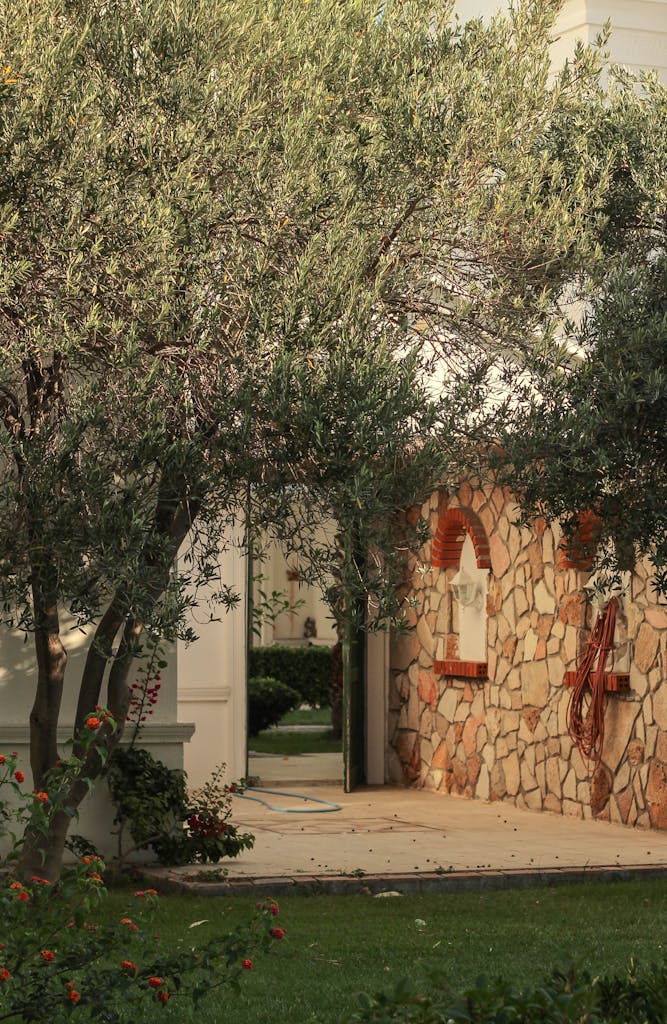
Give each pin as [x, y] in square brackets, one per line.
[309, 627]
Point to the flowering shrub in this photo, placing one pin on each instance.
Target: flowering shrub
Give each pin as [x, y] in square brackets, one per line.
[210, 835]
[145, 692]
[57, 957]
[153, 804]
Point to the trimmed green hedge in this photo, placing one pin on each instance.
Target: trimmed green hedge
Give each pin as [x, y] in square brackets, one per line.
[308, 670]
[268, 701]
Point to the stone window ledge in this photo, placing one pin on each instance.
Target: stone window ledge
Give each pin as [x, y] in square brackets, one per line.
[462, 669]
[614, 682]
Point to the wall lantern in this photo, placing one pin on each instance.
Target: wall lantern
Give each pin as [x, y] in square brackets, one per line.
[466, 590]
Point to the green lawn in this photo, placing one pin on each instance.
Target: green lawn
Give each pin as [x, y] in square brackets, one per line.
[338, 946]
[307, 716]
[289, 743]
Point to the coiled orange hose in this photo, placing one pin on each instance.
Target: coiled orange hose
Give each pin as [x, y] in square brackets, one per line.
[585, 718]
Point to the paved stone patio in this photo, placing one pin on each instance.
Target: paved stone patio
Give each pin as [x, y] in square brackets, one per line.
[415, 840]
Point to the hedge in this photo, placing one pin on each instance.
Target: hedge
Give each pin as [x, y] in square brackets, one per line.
[268, 701]
[308, 670]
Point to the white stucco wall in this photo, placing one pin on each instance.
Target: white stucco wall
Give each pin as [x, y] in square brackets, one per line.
[639, 28]
[212, 682]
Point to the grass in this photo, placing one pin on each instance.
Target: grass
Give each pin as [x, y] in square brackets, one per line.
[337, 946]
[307, 716]
[292, 743]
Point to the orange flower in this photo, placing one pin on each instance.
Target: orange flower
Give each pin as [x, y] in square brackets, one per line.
[23, 896]
[3, 759]
[16, 885]
[127, 965]
[73, 996]
[39, 880]
[126, 920]
[19, 776]
[42, 798]
[155, 982]
[163, 997]
[4, 974]
[48, 955]
[92, 723]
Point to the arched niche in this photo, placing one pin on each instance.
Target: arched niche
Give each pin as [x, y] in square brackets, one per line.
[460, 545]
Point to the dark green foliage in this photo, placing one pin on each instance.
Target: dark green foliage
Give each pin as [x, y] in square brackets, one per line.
[566, 995]
[268, 701]
[596, 438]
[308, 670]
[152, 802]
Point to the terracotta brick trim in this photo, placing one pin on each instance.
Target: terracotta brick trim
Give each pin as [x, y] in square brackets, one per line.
[580, 552]
[462, 669]
[614, 682]
[453, 526]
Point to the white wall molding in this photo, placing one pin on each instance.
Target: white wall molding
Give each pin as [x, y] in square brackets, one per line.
[151, 735]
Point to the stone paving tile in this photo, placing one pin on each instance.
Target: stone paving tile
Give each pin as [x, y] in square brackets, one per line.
[420, 841]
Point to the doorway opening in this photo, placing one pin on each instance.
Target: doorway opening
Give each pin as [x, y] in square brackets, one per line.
[295, 694]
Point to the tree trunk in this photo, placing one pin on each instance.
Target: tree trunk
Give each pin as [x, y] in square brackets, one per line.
[51, 661]
[42, 852]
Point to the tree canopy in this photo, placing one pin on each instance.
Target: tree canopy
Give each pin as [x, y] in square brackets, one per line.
[591, 438]
[266, 256]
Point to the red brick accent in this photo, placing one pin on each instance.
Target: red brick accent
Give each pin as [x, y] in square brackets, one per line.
[453, 526]
[614, 682]
[571, 556]
[462, 669]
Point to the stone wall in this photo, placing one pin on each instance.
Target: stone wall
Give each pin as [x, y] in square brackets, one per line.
[506, 738]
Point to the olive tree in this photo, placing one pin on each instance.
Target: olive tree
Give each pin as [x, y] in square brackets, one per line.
[591, 434]
[266, 257]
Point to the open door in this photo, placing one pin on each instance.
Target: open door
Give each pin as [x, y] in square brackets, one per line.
[354, 708]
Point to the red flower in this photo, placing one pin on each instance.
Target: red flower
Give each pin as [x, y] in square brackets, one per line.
[48, 955]
[4, 974]
[126, 920]
[3, 759]
[273, 907]
[92, 723]
[163, 997]
[73, 996]
[23, 896]
[155, 982]
[42, 798]
[246, 964]
[277, 933]
[19, 776]
[127, 965]
[16, 885]
[40, 881]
